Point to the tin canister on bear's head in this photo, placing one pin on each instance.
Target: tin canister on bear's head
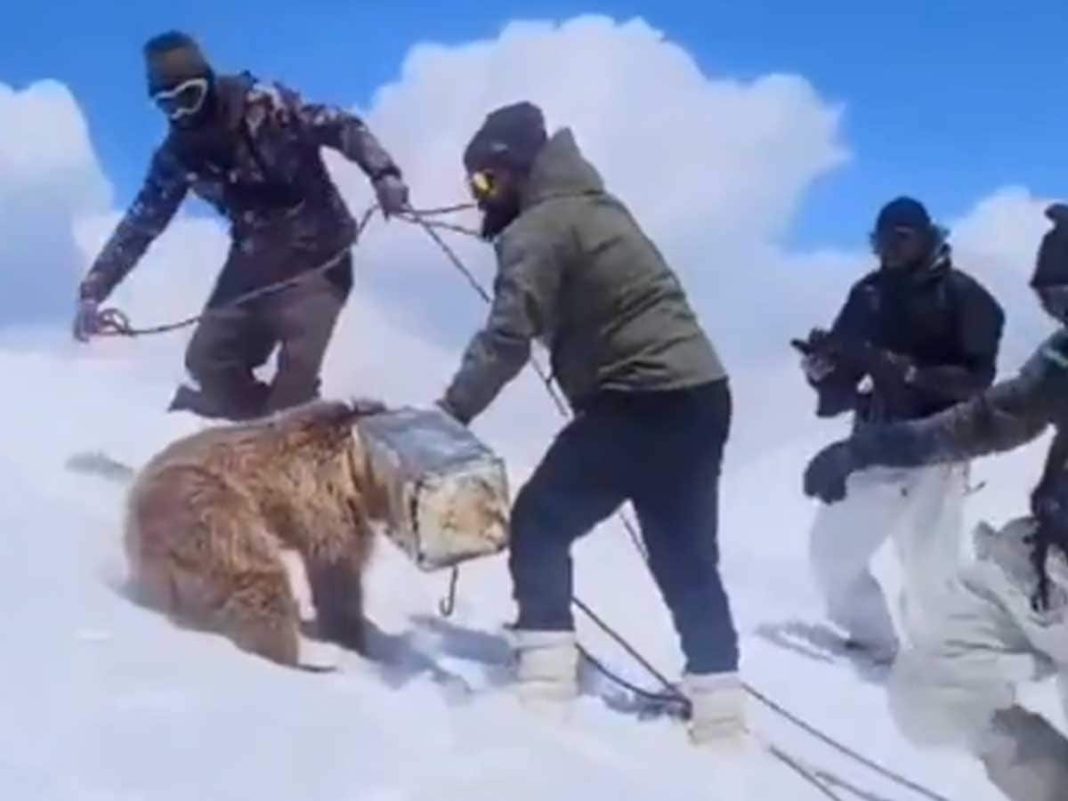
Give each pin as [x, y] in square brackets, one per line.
[448, 493]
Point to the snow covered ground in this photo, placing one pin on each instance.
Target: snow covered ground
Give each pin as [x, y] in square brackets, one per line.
[105, 701]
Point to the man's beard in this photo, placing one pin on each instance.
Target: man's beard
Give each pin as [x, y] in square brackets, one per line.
[497, 216]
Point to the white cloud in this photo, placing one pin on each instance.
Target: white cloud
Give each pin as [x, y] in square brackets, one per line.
[997, 242]
[48, 174]
[713, 168]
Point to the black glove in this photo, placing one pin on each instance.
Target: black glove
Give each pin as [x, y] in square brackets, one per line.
[392, 194]
[827, 472]
[86, 319]
[817, 344]
[817, 359]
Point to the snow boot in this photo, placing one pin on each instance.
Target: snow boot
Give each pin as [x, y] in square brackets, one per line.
[318, 656]
[718, 718]
[547, 667]
[1025, 757]
[187, 399]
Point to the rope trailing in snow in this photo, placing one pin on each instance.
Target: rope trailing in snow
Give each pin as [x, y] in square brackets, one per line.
[843, 749]
[673, 694]
[803, 772]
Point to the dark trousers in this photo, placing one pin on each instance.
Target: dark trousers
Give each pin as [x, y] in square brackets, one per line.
[662, 452]
[231, 342]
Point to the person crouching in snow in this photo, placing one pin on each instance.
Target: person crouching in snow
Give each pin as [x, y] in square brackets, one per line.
[914, 337]
[651, 395]
[1005, 620]
[252, 150]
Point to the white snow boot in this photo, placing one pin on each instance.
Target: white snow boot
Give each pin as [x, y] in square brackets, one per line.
[718, 719]
[318, 656]
[547, 666]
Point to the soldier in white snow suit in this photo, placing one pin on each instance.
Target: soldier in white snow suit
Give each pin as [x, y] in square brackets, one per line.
[1004, 620]
[914, 337]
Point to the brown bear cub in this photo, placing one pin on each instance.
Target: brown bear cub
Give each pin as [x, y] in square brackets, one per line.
[209, 516]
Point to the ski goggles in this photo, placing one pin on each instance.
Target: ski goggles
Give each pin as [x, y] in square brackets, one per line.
[183, 100]
[482, 185]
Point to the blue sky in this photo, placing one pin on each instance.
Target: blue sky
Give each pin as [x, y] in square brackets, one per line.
[945, 101]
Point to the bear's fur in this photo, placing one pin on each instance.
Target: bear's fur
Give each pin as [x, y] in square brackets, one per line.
[208, 517]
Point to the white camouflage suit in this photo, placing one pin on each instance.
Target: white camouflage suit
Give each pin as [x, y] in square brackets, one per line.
[920, 510]
[907, 344]
[955, 684]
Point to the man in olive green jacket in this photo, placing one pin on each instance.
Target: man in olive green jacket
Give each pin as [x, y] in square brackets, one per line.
[653, 407]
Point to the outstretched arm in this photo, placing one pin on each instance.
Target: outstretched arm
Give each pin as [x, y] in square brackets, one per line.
[525, 291]
[161, 194]
[1005, 416]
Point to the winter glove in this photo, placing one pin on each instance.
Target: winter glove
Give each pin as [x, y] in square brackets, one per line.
[816, 362]
[816, 367]
[827, 472]
[392, 194]
[86, 319]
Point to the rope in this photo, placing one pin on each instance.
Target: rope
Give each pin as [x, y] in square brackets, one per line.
[113, 322]
[543, 375]
[843, 749]
[673, 693]
[803, 772]
[640, 692]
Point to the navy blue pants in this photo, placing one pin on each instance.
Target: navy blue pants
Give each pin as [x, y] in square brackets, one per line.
[662, 451]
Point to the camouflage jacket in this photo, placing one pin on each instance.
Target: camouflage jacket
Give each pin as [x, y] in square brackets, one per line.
[258, 163]
[1008, 414]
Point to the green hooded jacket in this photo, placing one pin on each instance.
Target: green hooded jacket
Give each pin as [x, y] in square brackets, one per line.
[576, 272]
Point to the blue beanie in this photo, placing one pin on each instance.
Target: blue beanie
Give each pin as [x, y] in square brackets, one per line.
[903, 212]
[512, 135]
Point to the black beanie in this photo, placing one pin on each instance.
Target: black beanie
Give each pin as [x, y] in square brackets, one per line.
[1051, 267]
[172, 58]
[512, 136]
[903, 212]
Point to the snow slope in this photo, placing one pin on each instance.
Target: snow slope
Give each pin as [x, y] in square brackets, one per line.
[105, 701]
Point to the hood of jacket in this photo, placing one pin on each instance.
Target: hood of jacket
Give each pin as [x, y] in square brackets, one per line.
[560, 170]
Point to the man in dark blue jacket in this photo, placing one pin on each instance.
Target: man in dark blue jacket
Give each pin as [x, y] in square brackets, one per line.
[914, 337]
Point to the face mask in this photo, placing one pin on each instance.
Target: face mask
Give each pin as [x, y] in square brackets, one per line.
[184, 100]
[498, 204]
